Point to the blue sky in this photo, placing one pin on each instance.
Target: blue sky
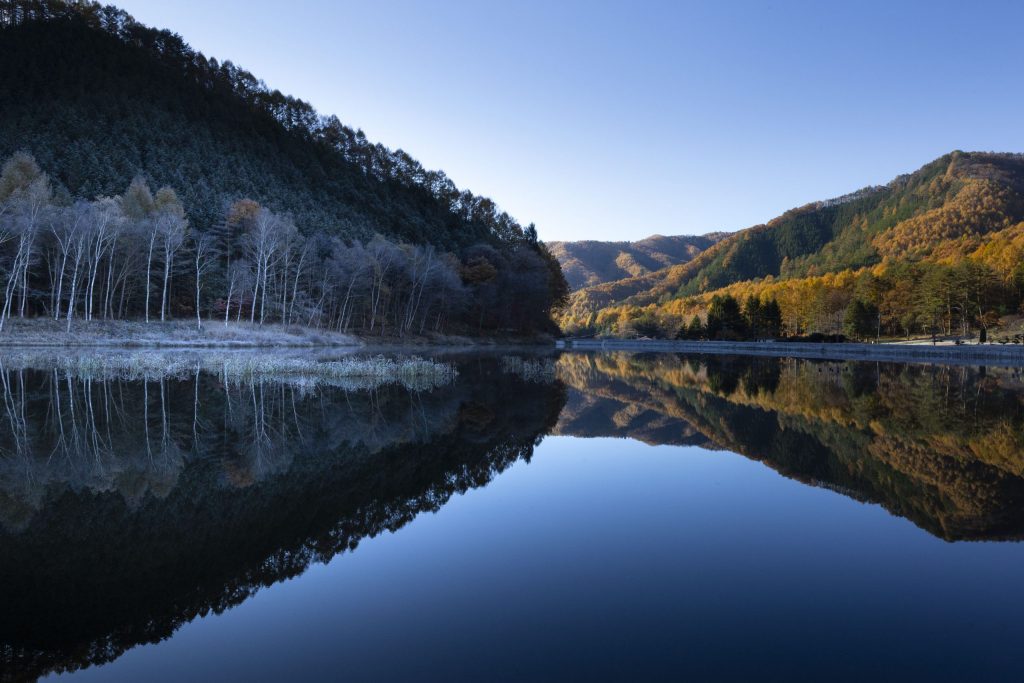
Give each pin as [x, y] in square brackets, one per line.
[618, 120]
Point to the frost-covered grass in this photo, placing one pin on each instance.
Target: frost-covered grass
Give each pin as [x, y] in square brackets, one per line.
[541, 370]
[349, 372]
[156, 334]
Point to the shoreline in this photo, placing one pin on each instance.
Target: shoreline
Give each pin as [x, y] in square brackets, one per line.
[137, 335]
[1009, 354]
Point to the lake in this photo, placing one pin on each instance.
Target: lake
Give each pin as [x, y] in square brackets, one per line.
[614, 516]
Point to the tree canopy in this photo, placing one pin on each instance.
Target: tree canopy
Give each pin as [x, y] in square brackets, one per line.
[138, 255]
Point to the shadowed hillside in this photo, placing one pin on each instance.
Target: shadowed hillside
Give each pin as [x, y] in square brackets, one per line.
[133, 163]
[98, 98]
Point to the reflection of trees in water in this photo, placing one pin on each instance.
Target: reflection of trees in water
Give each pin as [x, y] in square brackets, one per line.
[940, 445]
[135, 436]
[96, 435]
[135, 506]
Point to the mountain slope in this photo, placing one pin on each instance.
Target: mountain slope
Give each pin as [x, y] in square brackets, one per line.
[98, 98]
[952, 209]
[590, 262]
[231, 198]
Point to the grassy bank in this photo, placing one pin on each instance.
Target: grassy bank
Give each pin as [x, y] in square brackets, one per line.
[39, 332]
[351, 372]
[179, 334]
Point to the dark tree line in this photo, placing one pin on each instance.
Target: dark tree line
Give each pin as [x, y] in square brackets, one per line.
[137, 256]
[728, 321]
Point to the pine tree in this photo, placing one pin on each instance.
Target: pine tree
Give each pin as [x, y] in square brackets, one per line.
[753, 312]
[725, 319]
[695, 330]
[860, 319]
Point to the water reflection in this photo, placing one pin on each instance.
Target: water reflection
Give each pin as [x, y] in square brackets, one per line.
[942, 446]
[129, 507]
[133, 502]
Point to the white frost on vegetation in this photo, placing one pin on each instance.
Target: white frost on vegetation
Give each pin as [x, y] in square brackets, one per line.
[541, 370]
[348, 373]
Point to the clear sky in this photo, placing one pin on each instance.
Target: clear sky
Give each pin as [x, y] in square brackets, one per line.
[622, 119]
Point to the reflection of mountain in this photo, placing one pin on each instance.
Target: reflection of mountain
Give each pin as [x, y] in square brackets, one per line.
[941, 446]
[597, 413]
[131, 509]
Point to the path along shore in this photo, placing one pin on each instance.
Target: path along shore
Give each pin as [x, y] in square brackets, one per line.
[966, 354]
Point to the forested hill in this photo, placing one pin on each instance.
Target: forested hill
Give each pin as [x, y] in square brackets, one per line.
[140, 179]
[591, 262]
[962, 211]
[98, 98]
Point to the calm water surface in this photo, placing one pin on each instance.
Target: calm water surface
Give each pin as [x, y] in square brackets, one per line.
[615, 516]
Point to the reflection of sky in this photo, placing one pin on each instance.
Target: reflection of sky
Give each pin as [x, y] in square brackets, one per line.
[610, 558]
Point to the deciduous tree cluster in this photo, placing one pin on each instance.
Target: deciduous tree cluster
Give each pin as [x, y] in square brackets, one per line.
[954, 299]
[137, 256]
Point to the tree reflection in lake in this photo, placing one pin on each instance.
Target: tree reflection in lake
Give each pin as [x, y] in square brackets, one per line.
[940, 445]
[133, 501]
[129, 507]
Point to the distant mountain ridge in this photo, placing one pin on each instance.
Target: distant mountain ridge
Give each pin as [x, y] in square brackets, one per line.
[591, 262]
